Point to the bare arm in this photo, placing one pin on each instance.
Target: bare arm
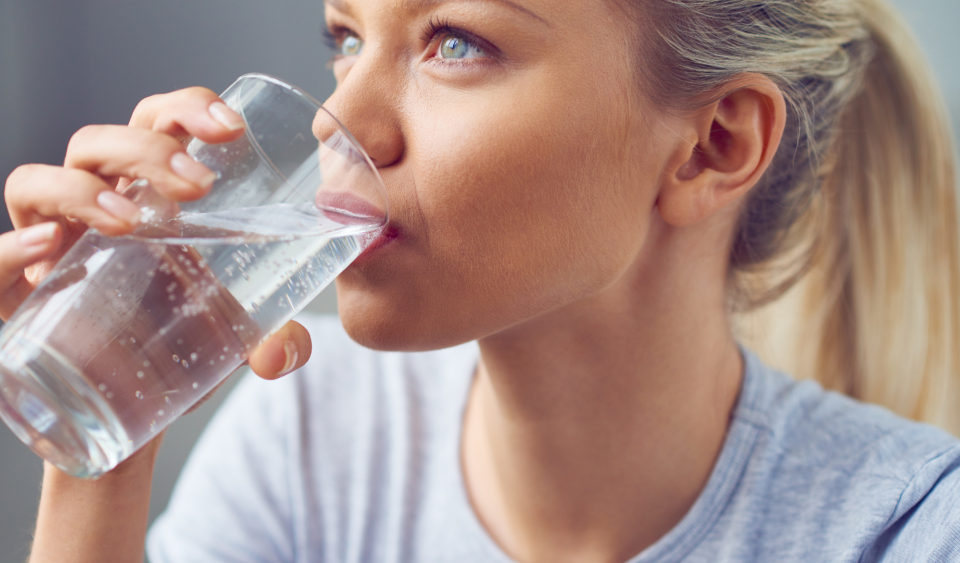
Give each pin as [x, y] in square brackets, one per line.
[81, 520]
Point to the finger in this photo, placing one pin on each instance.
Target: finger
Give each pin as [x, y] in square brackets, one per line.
[115, 150]
[286, 350]
[19, 249]
[36, 193]
[192, 111]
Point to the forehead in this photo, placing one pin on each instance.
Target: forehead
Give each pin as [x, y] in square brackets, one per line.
[414, 5]
[542, 12]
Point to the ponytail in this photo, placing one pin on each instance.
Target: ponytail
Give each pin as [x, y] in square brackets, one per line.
[846, 263]
[878, 314]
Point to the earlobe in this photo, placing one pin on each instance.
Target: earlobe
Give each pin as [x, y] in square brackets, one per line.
[735, 140]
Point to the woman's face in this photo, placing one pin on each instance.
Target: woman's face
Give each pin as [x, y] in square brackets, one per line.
[520, 164]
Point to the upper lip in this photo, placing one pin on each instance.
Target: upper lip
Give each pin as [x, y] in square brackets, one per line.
[349, 207]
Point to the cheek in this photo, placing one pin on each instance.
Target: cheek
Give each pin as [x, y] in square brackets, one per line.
[515, 202]
[538, 200]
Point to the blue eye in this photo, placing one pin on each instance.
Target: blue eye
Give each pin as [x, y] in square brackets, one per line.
[453, 47]
[352, 45]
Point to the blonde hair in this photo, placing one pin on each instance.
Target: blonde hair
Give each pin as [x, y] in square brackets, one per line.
[846, 264]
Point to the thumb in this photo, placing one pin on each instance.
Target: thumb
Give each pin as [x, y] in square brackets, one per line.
[284, 351]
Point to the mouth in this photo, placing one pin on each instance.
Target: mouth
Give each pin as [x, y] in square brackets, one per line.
[377, 240]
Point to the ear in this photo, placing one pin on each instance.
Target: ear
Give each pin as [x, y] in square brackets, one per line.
[727, 146]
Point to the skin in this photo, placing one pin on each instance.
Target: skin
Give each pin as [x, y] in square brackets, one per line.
[538, 205]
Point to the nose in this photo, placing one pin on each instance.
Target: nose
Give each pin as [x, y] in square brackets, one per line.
[365, 105]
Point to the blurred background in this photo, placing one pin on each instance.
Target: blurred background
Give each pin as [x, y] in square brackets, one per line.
[68, 63]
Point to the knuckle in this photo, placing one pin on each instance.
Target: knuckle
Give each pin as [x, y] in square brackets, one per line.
[19, 181]
[153, 109]
[199, 93]
[21, 174]
[83, 137]
[145, 108]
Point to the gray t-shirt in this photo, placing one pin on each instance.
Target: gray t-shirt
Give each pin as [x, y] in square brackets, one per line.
[355, 458]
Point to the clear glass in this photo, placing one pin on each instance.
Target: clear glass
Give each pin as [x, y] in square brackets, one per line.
[127, 333]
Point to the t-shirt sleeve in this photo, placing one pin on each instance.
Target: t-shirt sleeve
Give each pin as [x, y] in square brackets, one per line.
[926, 526]
[232, 501]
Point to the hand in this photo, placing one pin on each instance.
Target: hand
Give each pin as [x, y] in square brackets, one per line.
[51, 206]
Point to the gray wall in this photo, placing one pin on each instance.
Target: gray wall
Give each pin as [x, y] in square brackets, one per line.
[66, 63]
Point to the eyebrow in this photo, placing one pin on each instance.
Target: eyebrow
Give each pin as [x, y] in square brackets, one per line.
[341, 6]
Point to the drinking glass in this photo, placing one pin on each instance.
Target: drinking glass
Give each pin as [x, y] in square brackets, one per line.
[127, 333]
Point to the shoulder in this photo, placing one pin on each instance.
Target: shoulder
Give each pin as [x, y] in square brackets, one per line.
[823, 431]
[841, 474]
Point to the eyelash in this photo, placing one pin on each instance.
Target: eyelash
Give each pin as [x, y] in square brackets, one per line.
[437, 26]
[334, 36]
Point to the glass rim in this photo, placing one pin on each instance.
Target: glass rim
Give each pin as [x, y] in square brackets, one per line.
[317, 107]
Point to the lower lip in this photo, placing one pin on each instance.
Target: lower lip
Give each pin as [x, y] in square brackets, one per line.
[385, 238]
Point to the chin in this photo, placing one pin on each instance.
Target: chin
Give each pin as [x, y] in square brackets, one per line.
[396, 328]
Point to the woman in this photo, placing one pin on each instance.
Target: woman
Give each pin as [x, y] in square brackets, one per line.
[588, 190]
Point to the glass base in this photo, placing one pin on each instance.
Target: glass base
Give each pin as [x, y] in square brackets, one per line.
[50, 406]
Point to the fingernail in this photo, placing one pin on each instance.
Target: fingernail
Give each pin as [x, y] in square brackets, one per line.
[191, 170]
[291, 350]
[226, 116]
[119, 206]
[37, 234]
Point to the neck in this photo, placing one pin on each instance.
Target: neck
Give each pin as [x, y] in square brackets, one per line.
[591, 430]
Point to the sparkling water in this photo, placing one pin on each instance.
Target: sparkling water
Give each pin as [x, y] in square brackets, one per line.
[129, 332]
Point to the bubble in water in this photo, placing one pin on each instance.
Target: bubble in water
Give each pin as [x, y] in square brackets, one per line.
[195, 385]
[176, 359]
[234, 328]
[133, 340]
[236, 356]
[226, 348]
[139, 395]
[179, 341]
[211, 362]
[222, 357]
[151, 273]
[102, 387]
[184, 363]
[109, 394]
[193, 356]
[146, 363]
[140, 374]
[163, 330]
[241, 327]
[171, 297]
[160, 412]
